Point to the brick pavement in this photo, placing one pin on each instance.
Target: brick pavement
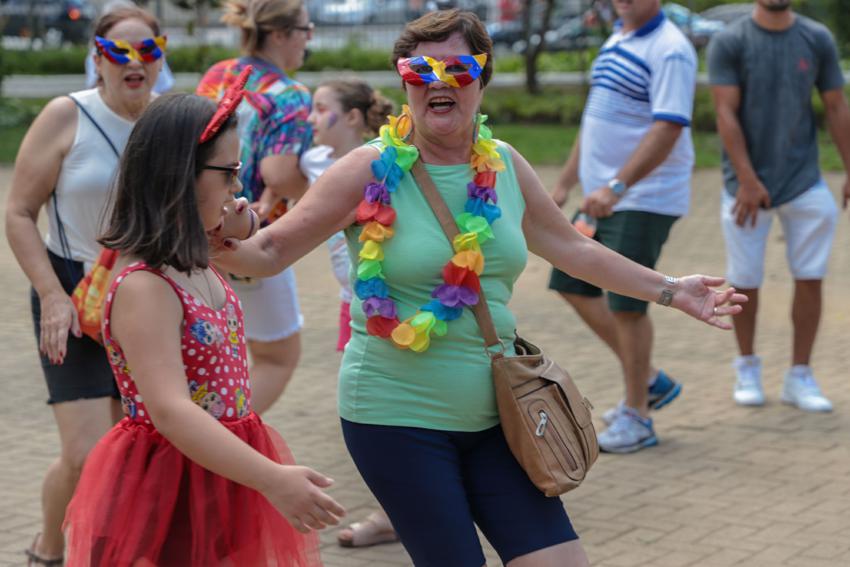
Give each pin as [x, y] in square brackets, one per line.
[727, 486]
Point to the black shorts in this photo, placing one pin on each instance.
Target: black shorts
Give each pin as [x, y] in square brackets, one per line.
[85, 372]
[637, 235]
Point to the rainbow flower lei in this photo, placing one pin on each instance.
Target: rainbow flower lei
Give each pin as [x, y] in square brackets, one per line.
[461, 285]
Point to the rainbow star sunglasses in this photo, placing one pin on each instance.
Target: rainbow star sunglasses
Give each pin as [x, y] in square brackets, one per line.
[456, 71]
[122, 52]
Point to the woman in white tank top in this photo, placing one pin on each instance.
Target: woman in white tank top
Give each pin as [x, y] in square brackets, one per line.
[66, 164]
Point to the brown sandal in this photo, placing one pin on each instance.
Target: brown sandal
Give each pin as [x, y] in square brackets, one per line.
[375, 529]
[34, 558]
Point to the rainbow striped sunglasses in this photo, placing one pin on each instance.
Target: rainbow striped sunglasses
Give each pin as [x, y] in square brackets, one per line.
[456, 71]
[122, 52]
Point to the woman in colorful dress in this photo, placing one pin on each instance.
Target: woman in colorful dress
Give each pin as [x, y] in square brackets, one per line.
[416, 395]
[66, 164]
[274, 132]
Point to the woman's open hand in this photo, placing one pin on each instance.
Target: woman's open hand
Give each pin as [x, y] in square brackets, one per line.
[297, 494]
[694, 295]
[58, 317]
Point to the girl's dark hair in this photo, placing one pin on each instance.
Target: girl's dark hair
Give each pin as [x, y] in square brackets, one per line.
[155, 216]
[355, 93]
[108, 20]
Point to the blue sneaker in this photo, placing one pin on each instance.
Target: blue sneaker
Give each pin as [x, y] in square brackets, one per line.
[663, 391]
[629, 432]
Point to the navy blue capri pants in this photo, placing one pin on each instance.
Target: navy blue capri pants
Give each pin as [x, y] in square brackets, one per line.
[437, 485]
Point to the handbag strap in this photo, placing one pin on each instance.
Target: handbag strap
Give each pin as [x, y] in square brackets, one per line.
[444, 216]
[60, 226]
[97, 126]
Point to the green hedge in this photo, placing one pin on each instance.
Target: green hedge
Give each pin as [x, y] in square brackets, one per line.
[196, 59]
[555, 105]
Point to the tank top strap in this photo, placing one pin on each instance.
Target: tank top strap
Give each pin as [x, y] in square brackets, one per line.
[134, 267]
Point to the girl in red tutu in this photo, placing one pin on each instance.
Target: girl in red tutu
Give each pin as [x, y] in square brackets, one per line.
[191, 476]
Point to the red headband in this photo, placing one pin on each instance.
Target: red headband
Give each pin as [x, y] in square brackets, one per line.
[227, 105]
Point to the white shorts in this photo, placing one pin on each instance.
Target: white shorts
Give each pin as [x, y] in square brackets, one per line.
[808, 223]
[270, 306]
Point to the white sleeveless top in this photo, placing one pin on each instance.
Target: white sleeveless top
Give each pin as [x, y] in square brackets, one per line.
[85, 181]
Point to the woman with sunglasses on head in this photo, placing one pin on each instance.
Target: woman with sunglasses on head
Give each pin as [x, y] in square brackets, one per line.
[274, 133]
[66, 164]
[416, 394]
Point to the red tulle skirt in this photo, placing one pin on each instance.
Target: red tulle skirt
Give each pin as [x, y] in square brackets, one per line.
[141, 502]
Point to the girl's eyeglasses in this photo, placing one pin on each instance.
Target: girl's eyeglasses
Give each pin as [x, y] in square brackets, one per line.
[308, 29]
[121, 52]
[231, 170]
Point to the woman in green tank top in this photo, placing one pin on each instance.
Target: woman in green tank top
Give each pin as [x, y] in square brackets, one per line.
[416, 396]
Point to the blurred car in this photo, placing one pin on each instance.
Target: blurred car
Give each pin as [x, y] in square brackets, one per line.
[728, 13]
[566, 34]
[698, 29]
[359, 12]
[571, 35]
[62, 20]
[478, 7]
[506, 33]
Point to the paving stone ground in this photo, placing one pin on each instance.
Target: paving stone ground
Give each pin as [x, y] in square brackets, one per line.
[727, 485]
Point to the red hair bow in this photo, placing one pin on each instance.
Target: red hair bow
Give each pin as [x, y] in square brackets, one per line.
[227, 105]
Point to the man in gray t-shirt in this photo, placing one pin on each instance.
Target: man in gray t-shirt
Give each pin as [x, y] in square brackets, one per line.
[762, 71]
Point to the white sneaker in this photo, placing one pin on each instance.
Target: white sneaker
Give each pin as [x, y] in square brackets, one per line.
[629, 432]
[748, 390]
[609, 416]
[801, 390]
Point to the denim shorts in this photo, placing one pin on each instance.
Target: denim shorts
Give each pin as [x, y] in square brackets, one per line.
[85, 373]
[436, 486]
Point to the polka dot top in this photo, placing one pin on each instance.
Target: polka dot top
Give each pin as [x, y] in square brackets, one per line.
[214, 354]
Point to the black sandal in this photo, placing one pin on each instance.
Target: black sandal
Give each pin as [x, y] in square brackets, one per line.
[35, 559]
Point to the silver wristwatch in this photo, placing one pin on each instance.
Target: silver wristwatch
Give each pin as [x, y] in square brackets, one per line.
[617, 187]
[666, 297]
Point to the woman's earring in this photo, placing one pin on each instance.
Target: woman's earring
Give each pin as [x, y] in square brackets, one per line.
[476, 124]
[404, 127]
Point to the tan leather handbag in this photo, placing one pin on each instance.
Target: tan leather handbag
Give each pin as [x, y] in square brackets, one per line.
[545, 418]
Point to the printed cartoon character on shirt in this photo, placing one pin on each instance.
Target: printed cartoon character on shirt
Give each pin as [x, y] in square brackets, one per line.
[233, 327]
[241, 403]
[206, 333]
[116, 360]
[211, 402]
[128, 406]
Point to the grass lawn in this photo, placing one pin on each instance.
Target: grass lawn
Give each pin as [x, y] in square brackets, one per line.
[540, 144]
[10, 139]
[550, 145]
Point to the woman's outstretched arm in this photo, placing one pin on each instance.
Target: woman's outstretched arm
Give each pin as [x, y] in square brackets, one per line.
[550, 235]
[326, 208]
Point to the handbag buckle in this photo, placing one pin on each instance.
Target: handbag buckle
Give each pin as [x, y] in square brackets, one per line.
[493, 354]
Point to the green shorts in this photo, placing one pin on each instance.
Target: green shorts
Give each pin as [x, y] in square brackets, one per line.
[637, 235]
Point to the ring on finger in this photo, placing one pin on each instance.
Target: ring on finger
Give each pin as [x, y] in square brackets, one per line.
[715, 311]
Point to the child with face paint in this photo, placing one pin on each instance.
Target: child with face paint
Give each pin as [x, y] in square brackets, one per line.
[344, 112]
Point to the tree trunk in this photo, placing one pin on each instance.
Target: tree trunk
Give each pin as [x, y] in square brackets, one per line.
[533, 51]
[531, 84]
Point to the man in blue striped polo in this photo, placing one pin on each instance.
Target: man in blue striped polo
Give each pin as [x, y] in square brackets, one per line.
[634, 158]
